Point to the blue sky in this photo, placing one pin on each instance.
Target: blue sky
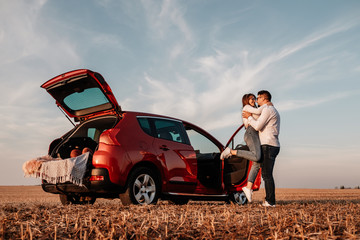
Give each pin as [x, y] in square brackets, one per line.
[193, 60]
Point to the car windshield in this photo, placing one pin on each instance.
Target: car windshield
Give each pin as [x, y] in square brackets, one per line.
[87, 98]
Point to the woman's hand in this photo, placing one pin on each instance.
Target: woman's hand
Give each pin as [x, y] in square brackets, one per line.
[246, 114]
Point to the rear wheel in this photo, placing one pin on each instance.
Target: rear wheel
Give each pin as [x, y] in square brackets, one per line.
[238, 198]
[143, 188]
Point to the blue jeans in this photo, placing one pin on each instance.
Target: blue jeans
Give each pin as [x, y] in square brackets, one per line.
[255, 167]
[269, 154]
[252, 140]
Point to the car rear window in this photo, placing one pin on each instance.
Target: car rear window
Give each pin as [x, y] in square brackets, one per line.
[87, 98]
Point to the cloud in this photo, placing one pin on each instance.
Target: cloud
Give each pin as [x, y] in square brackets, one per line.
[27, 43]
[25, 46]
[223, 77]
[30, 126]
[210, 92]
[166, 16]
[26, 133]
[103, 3]
[170, 11]
[357, 69]
[294, 48]
[17, 30]
[31, 53]
[108, 40]
[290, 105]
[170, 97]
[166, 22]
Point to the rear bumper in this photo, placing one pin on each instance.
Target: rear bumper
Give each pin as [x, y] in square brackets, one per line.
[99, 187]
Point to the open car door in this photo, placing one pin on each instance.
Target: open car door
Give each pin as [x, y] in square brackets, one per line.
[236, 169]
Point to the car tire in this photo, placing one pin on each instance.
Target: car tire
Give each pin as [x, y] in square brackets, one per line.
[143, 188]
[238, 198]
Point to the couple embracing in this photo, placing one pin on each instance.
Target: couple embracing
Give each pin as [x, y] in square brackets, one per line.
[262, 130]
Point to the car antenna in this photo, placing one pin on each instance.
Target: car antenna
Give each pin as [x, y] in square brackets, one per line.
[66, 116]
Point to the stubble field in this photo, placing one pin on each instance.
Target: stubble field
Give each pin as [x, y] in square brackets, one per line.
[29, 213]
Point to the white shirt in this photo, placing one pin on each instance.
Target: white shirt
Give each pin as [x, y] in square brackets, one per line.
[268, 125]
[254, 111]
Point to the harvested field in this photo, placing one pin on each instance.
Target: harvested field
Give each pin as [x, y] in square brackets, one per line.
[30, 213]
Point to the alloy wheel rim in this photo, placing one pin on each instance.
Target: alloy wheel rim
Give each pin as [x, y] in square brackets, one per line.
[240, 198]
[144, 189]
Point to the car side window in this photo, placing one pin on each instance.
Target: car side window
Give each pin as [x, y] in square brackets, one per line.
[145, 125]
[238, 140]
[201, 143]
[95, 133]
[91, 133]
[170, 130]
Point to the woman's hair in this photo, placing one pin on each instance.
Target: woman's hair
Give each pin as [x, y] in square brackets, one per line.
[245, 100]
[246, 97]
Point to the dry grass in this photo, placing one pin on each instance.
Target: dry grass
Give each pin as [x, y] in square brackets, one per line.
[29, 213]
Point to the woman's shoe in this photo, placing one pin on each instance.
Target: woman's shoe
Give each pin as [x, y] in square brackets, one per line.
[248, 193]
[225, 154]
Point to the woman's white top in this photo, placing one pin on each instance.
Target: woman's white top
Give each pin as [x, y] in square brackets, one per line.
[254, 111]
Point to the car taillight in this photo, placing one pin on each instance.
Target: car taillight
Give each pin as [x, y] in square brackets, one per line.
[97, 178]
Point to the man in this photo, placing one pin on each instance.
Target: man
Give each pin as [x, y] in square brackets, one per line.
[268, 125]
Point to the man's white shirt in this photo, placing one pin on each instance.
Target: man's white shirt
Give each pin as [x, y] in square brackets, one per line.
[268, 126]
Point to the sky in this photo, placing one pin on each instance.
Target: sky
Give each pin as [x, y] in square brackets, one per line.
[192, 60]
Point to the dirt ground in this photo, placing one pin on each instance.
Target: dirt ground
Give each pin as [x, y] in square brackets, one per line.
[26, 212]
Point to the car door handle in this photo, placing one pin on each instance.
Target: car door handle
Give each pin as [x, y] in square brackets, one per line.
[164, 147]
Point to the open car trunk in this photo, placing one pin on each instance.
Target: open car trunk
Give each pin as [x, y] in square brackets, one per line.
[84, 135]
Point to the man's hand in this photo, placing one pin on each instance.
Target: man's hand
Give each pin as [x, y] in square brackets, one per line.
[246, 114]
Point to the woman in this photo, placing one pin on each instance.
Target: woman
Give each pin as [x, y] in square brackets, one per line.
[252, 140]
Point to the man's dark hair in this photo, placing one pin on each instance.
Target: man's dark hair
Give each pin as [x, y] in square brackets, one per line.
[266, 94]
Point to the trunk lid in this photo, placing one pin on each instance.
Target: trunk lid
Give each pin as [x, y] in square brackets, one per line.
[82, 94]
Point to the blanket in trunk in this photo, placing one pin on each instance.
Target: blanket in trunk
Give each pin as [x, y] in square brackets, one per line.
[58, 171]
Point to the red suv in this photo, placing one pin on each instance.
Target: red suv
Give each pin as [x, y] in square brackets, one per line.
[139, 157]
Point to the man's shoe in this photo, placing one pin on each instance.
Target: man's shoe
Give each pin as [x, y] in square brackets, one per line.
[248, 193]
[266, 204]
[225, 154]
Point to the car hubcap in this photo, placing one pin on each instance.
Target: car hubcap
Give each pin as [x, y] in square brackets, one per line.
[144, 189]
[240, 198]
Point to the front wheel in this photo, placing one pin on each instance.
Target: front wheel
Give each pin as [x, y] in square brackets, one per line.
[143, 188]
[238, 198]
